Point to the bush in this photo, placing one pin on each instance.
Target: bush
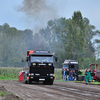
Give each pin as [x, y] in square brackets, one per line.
[80, 73]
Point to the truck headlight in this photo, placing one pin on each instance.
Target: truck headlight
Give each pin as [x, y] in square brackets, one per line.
[51, 74]
[34, 63]
[49, 64]
[29, 74]
[51, 77]
[32, 73]
[54, 75]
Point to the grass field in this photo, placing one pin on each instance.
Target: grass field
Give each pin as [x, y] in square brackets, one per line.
[90, 82]
[95, 82]
[8, 73]
[58, 74]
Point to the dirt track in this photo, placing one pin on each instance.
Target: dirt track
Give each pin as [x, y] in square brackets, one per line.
[58, 91]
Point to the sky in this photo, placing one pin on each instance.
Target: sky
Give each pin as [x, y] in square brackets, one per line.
[11, 12]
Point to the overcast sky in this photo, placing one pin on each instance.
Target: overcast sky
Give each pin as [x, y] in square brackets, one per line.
[63, 8]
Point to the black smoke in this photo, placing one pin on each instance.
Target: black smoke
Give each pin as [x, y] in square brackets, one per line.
[39, 12]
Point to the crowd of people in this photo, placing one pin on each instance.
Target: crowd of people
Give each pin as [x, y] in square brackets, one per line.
[69, 75]
[88, 75]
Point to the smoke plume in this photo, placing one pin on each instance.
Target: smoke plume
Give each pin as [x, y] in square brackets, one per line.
[39, 12]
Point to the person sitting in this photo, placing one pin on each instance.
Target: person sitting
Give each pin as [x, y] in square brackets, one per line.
[71, 75]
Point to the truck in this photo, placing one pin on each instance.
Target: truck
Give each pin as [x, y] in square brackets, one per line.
[71, 65]
[40, 67]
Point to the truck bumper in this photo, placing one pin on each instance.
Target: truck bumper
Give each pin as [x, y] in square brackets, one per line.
[41, 78]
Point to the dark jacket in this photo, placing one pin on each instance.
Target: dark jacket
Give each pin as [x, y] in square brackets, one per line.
[73, 74]
[67, 73]
[86, 73]
[70, 74]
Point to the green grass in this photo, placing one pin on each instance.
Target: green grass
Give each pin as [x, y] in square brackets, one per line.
[7, 73]
[90, 82]
[12, 74]
[58, 80]
[6, 94]
[95, 82]
[7, 78]
[1, 94]
[77, 81]
[58, 74]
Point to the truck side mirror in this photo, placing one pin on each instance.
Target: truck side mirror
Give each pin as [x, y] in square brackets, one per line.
[56, 59]
[22, 60]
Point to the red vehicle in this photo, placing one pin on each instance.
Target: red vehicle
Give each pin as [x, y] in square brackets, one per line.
[95, 73]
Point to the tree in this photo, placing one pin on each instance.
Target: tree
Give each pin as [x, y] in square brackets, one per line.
[89, 47]
[67, 38]
[75, 37]
[52, 35]
[97, 45]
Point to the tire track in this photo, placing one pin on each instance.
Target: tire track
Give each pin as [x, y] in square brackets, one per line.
[57, 91]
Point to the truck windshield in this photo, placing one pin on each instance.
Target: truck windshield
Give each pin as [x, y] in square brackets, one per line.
[42, 59]
[65, 66]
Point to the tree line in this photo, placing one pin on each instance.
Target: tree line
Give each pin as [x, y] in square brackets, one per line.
[67, 38]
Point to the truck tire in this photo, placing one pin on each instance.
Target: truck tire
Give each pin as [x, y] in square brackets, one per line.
[25, 82]
[45, 82]
[29, 81]
[51, 82]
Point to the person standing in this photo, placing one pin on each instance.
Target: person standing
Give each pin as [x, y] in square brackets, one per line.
[64, 75]
[67, 73]
[89, 75]
[86, 76]
[71, 75]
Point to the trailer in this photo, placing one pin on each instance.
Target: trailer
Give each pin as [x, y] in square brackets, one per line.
[40, 67]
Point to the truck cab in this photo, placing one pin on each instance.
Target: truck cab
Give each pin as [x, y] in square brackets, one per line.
[40, 67]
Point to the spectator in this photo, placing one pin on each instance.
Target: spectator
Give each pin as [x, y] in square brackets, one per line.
[86, 76]
[89, 75]
[71, 75]
[67, 73]
[64, 75]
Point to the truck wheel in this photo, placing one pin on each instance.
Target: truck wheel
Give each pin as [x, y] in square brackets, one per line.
[51, 82]
[25, 82]
[29, 81]
[45, 82]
